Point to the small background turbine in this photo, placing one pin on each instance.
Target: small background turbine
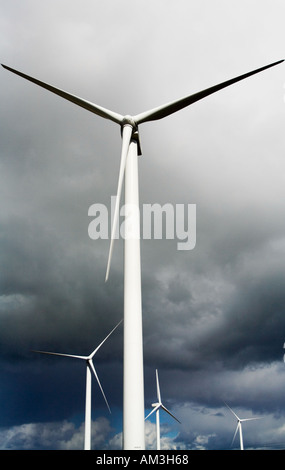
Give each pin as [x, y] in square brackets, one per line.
[156, 407]
[89, 369]
[239, 426]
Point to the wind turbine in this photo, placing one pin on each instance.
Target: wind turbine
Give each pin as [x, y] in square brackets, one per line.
[239, 426]
[133, 393]
[156, 407]
[89, 369]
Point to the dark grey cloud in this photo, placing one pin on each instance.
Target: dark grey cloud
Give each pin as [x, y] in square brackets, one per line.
[213, 316]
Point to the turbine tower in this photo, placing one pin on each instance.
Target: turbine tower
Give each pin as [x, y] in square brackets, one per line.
[133, 413]
[157, 406]
[239, 426]
[89, 369]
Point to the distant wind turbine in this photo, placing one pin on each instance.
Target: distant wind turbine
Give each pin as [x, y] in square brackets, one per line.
[133, 393]
[89, 369]
[239, 426]
[156, 407]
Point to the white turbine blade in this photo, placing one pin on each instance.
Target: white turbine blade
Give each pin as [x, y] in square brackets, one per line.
[235, 433]
[93, 108]
[126, 137]
[97, 378]
[174, 106]
[167, 411]
[232, 411]
[153, 411]
[250, 419]
[157, 387]
[61, 354]
[95, 350]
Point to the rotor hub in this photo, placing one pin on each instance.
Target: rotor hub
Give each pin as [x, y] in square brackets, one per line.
[129, 120]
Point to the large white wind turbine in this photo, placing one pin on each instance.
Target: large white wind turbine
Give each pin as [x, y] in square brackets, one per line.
[89, 369]
[133, 414]
[239, 426]
[156, 407]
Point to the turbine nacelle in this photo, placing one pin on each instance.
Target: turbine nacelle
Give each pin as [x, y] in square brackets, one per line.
[155, 405]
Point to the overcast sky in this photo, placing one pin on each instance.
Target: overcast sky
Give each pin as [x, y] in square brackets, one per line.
[214, 316]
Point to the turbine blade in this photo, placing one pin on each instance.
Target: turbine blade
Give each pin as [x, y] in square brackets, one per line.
[61, 354]
[250, 419]
[157, 387]
[153, 411]
[126, 137]
[235, 433]
[232, 411]
[167, 411]
[97, 378]
[95, 350]
[174, 106]
[93, 108]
